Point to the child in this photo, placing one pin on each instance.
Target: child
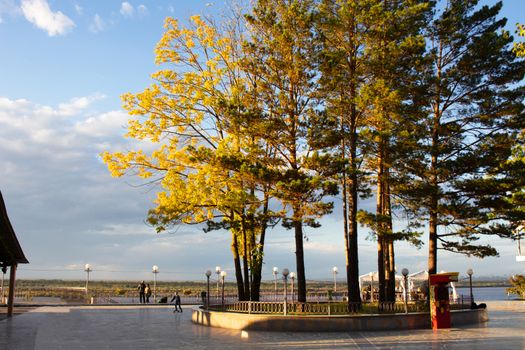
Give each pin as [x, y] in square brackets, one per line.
[147, 291]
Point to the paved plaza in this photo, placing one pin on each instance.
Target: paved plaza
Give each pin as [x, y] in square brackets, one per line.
[156, 327]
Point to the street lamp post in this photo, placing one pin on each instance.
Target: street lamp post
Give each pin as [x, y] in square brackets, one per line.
[155, 270]
[223, 276]
[88, 269]
[208, 274]
[218, 272]
[470, 272]
[275, 272]
[405, 281]
[292, 277]
[335, 271]
[285, 277]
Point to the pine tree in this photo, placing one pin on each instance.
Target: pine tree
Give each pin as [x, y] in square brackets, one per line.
[472, 117]
[342, 38]
[504, 187]
[370, 48]
[397, 46]
[280, 53]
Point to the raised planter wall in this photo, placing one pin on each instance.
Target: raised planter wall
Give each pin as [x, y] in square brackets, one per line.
[329, 323]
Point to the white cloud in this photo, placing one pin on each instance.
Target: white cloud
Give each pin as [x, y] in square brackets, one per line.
[142, 10]
[322, 247]
[39, 13]
[6, 103]
[79, 9]
[67, 131]
[29, 128]
[8, 169]
[157, 246]
[105, 124]
[65, 109]
[78, 212]
[122, 229]
[77, 104]
[98, 25]
[8, 7]
[126, 9]
[79, 267]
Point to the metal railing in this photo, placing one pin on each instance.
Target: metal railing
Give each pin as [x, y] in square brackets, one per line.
[329, 308]
[318, 303]
[319, 308]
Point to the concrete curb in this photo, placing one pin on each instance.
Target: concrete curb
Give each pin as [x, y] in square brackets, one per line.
[337, 323]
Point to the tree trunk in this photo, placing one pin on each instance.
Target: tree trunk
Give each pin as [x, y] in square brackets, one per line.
[353, 267]
[386, 264]
[245, 261]
[256, 275]
[237, 264]
[380, 228]
[350, 236]
[299, 257]
[257, 261]
[432, 243]
[345, 224]
[434, 184]
[433, 205]
[380, 269]
[352, 249]
[391, 286]
[390, 273]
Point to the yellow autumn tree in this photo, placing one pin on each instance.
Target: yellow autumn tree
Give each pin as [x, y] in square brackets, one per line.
[208, 167]
[519, 47]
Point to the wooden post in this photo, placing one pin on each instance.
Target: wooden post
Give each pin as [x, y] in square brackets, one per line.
[11, 297]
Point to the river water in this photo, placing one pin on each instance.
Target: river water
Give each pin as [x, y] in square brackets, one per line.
[486, 293]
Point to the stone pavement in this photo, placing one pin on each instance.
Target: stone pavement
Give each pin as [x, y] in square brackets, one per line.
[156, 327]
[17, 311]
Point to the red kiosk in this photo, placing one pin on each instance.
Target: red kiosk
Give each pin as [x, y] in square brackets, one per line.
[439, 298]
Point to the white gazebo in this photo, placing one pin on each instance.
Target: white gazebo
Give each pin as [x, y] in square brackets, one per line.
[417, 281]
[371, 279]
[420, 280]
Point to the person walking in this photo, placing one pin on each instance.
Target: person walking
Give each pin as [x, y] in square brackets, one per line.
[147, 291]
[178, 307]
[142, 292]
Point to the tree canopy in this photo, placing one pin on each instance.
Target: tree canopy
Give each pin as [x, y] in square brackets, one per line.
[258, 120]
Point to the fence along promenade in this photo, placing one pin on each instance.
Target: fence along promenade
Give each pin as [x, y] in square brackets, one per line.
[330, 308]
[319, 303]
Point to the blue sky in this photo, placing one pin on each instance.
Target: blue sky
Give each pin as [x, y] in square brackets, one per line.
[63, 66]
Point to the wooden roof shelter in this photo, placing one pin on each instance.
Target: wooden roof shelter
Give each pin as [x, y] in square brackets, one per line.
[11, 255]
